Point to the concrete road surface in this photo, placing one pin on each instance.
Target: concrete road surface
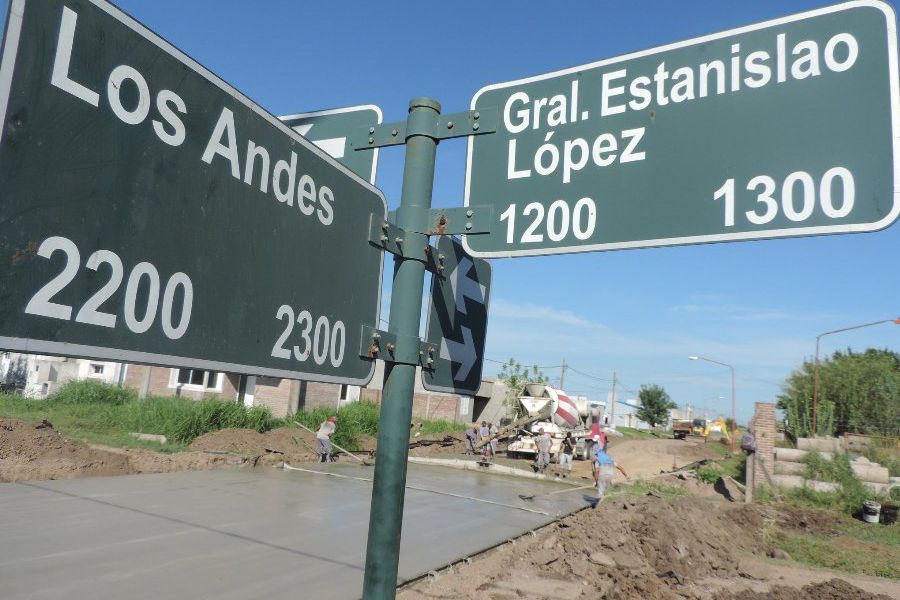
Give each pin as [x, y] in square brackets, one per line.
[243, 535]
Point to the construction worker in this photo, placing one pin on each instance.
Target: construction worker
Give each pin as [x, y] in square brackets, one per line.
[323, 439]
[487, 448]
[566, 451]
[493, 431]
[605, 468]
[543, 443]
[471, 439]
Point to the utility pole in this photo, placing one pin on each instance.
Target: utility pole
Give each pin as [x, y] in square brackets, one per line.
[562, 375]
[612, 408]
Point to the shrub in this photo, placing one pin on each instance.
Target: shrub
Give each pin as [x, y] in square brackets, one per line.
[87, 391]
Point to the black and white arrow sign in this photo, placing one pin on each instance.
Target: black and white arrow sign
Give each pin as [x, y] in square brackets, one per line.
[457, 321]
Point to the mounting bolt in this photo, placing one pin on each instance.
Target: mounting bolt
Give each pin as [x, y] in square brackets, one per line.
[384, 238]
[449, 124]
[469, 213]
[398, 240]
[376, 336]
[371, 130]
[468, 226]
[371, 140]
[476, 115]
[390, 348]
[394, 132]
[475, 126]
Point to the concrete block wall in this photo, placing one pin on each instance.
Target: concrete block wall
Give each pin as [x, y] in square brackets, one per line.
[764, 431]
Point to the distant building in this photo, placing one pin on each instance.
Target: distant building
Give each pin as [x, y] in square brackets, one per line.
[626, 414]
[43, 375]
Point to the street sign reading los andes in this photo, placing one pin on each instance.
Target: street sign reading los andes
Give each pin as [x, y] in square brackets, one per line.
[329, 130]
[151, 213]
[457, 320]
[784, 128]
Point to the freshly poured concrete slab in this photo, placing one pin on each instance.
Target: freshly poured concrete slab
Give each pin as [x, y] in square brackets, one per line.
[246, 534]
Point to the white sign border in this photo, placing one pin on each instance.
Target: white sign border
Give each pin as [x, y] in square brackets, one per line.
[721, 237]
[12, 35]
[337, 111]
[428, 324]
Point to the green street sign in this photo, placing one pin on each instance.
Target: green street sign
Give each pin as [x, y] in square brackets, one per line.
[784, 128]
[330, 129]
[456, 329]
[152, 213]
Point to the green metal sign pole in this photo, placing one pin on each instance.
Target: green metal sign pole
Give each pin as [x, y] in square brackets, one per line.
[386, 516]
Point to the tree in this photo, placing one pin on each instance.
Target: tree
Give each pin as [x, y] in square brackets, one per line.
[17, 376]
[859, 392]
[516, 378]
[655, 405]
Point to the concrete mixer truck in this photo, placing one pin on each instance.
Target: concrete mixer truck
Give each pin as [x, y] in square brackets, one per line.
[556, 413]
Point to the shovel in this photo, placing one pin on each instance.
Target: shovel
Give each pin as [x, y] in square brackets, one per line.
[362, 460]
[533, 496]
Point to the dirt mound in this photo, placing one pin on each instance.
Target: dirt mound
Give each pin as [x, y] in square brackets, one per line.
[38, 452]
[287, 444]
[446, 443]
[637, 548]
[834, 589]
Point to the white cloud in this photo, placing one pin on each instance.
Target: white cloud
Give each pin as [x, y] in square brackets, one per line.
[504, 309]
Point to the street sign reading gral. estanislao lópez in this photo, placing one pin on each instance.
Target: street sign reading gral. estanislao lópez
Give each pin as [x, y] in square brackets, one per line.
[330, 130]
[784, 128]
[151, 213]
[457, 320]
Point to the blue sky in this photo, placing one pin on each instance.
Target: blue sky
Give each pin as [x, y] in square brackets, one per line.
[756, 305]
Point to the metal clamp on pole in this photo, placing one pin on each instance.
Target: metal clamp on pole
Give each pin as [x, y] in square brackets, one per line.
[391, 238]
[461, 220]
[390, 347]
[436, 127]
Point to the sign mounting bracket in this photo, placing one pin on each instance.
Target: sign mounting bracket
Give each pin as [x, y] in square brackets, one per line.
[440, 127]
[391, 347]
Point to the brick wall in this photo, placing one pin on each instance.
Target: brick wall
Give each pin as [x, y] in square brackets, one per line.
[161, 376]
[277, 394]
[426, 405]
[764, 431]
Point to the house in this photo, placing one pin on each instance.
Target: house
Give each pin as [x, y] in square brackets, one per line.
[43, 375]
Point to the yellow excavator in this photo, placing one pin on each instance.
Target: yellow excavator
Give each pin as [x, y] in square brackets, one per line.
[702, 428]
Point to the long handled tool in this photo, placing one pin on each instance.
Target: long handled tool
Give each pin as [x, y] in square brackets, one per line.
[362, 460]
[533, 496]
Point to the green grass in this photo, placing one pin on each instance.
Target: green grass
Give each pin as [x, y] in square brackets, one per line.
[857, 548]
[637, 434]
[361, 418]
[885, 452]
[104, 414]
[642, 488]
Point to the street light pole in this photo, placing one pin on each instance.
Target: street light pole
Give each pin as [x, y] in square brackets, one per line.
[816, 377]
[733, 411]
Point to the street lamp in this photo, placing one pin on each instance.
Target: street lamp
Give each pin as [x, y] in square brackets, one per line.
[733, 412]
[816, 380]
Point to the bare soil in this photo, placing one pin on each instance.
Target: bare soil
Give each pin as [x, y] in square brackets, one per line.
[648, 549]
[285, 444]
[30, 451]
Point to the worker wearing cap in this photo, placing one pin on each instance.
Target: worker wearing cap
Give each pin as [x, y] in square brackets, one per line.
[323, 439]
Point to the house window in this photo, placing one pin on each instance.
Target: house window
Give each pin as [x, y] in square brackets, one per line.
[96, 370]
[344, 391]
[197, 379]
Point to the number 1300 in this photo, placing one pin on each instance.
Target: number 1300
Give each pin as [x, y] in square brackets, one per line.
[797, 195]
